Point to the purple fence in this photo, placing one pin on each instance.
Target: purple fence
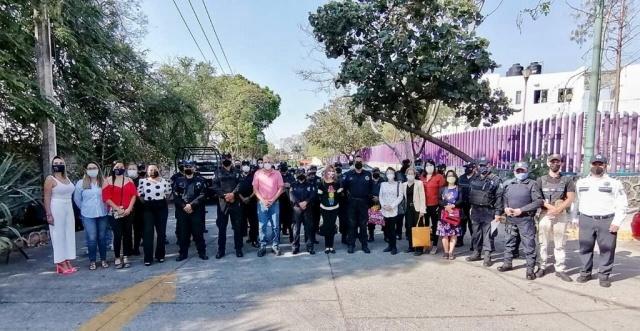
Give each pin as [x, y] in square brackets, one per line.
[616, 137]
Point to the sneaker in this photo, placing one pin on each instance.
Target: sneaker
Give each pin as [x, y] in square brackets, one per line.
[584, 278]
[262, 252]
[327, 251]
[333, 251]
[387, 250]
[541, 272]
[366, 250]
[531, 275]
[605, 282]
[473, 258]
[505, 267]
[563, 275]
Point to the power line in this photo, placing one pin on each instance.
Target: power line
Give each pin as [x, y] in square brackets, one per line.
[206, 37]
[216, 34]
[191, 33]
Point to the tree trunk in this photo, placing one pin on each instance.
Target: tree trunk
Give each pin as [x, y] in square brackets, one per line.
[446, 146]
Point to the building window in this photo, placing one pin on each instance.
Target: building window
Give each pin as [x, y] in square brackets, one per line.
[565, 94]
[518, 97]
[540, 96]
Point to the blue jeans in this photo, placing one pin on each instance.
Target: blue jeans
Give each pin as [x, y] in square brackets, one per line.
[95, 230]
[269, 218]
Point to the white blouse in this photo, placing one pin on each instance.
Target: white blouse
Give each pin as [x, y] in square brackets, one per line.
[390, 195]
[153, 190]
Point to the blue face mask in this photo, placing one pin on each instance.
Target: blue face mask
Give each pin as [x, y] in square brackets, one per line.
[522, 176]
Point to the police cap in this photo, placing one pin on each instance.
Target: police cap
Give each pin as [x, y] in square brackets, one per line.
[482, 161]
[598, 158]
[521, 165]
[554, 157]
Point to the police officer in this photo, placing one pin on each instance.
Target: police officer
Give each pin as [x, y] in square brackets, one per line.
[483, 196]
[464, 182]
[248, 203]
[376, 182]
[358, 186]
[315, 204]
[343, 214]
[189, 198]
[559, 193]
[519, 199]
[602, 207]
[302, 194]
[226, 186]
[173, 180]
[286, 210]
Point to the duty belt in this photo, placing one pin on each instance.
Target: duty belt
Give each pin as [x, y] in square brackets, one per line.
[599, 218]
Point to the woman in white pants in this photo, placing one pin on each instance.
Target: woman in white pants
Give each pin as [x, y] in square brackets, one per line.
[58, 192]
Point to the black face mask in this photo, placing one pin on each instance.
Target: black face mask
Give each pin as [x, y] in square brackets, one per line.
[188, 172]
[375, 175]
[226, 163]
[302, 178]
[58, 167]
[484, 170]
[338, 170]
[118, 171]
[468, 171]
[238, 166]
[597, 170]
[358, 165]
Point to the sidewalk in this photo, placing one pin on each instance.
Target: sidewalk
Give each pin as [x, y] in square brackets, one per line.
[336, 292]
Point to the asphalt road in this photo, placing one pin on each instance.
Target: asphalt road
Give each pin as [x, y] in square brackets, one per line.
[336, 292]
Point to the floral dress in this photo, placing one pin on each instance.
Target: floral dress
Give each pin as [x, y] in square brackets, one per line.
[448, 196]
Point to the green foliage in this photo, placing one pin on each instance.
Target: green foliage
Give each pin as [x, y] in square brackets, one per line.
[405, 56]
[20, 185]
[333, 129]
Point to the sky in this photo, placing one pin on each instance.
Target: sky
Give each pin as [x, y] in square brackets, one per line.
[264, 42]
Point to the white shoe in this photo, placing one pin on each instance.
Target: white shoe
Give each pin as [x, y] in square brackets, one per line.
[434, 250]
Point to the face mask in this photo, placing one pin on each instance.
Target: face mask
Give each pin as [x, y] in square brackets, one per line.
[391, 175]
[58, 167]
[339, 170]
[226, 163]
[188, 172]
[118, 171]
[451, 180]
[430, 169]
[597, 170]
[93, 173]
[331, 174]
[358, 165]
[132, 173]
[376, 175]
[153, 174]
[267, 166]
[260, 165]
[468, 171]
[246, 168]
[302, 178]
[522, 176]
[411, 178]
[484, 170]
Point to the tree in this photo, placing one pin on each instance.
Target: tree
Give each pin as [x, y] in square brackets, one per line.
[404, 56]
[332, 128]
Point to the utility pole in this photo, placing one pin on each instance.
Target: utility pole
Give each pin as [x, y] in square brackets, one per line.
[45, 82]
[594, 87]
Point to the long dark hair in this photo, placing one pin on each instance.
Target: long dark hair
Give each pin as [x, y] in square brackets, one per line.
[446, 174]
[113, 173]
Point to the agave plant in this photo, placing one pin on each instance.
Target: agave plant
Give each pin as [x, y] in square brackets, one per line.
[20, 185]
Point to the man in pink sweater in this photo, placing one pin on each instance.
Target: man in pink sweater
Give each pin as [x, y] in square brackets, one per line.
[268, 186]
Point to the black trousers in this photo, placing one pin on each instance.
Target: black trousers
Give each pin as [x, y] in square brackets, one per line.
[122, 228]
[233, 212]
[315, 218]
[358, 218]
[302, 218]
[286, 214]
[138, 225]
[391, 224]
[250, 220]
[527, 228]
[465, 223]
[190, 225]
[410, 220]
[433, 216]
[481, 218]
[155, 218]
[592, 231]
[328, 229]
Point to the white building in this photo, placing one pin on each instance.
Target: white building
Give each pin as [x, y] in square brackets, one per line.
[548, 94]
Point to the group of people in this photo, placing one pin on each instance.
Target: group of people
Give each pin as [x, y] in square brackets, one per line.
[264, 200]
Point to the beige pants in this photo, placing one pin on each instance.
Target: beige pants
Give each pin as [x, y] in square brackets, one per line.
[553, 229]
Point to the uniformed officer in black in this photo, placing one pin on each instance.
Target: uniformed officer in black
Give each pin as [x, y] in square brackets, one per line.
[302, 194]
[376, 182]
[343, 211]
[248, 203]
[519, 199]
[357, 184]
[464, 183]
[286, 210]
[483, 199]
[189, 198]
[315, 205]
[226, 186]
[173, 180]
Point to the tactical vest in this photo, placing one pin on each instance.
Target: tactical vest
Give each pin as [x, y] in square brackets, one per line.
[517, 194]
[483, 190]
[553, 192]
